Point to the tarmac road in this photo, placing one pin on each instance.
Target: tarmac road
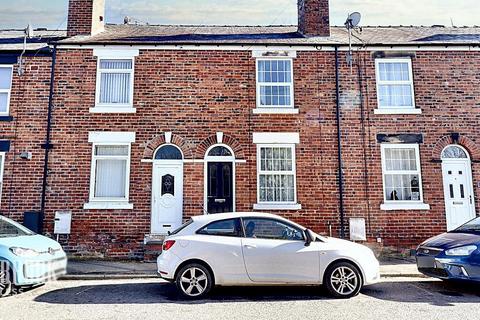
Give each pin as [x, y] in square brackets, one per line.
[393, 298]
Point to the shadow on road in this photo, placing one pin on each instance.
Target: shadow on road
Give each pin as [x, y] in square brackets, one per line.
[426, 292]
[433, 292]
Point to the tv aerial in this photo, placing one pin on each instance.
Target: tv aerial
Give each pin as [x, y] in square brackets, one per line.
[353, 20]
[28, 34]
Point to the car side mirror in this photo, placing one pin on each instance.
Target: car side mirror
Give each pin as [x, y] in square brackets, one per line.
[308, 237]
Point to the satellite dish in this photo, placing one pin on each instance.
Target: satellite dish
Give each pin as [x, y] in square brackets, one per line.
[353, 20]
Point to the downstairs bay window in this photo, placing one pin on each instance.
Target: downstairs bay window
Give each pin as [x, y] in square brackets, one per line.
[402, 179]
[110, 170]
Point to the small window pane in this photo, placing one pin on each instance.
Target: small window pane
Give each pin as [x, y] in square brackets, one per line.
[168, 153]
[271, 229]
[220, 152]
[116, 64]
[168, 185]
[5, 78]
[111, 150]
[3, 102]
[226, 228]
[454, 152]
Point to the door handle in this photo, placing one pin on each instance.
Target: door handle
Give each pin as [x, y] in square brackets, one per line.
[250, 246]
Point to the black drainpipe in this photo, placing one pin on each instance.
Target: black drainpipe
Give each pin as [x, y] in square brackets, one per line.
[48, 146]
[339, 146]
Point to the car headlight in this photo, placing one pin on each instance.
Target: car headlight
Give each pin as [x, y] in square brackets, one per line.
[24, 252]
[461, 251]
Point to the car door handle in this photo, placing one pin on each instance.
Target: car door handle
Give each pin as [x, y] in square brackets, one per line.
[250, 246]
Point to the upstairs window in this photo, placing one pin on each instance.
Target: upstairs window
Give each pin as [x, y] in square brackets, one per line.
[402, 178]
[395, 84]
[5, 89]
[274, 83]
[115, 82]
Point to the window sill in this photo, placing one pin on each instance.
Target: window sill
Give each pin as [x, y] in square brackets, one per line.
[6, 118]
[404, 206]
[275, 111]
[397, 111]
[268, 206]
[108, 205]
[113, 109]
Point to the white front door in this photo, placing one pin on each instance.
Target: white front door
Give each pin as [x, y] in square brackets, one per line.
[167, 196]
[458, 190]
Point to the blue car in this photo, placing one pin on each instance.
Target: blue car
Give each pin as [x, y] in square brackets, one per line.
[454, 255]
[26, 258]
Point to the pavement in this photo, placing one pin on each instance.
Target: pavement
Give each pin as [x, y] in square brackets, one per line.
[392, 298]
[102, 269]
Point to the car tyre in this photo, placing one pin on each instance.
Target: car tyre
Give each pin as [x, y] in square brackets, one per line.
[343, 280]
[5, 279]
[194, 281]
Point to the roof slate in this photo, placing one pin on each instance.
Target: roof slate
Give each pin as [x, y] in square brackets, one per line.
[278, 35]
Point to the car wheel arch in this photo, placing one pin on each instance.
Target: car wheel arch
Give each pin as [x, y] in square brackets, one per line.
[199, 261]
[340, 260]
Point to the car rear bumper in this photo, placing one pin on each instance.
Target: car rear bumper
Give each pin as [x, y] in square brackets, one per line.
[167, 264]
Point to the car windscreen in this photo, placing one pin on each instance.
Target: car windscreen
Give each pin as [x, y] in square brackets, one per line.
[9, 228]
[472, 226]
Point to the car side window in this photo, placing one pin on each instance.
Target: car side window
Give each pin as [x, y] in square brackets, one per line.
[225, 228]
[262, 228]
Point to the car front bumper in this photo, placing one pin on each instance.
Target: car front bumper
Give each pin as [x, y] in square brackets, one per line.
[31, 272]
[451, 268]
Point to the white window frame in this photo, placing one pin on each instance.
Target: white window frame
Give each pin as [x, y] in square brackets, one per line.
[275, 109]
[7, 91]
[2, 168]
[266, 205]
[110, 139]
[395, 109]
[110, 54]
[402, 204]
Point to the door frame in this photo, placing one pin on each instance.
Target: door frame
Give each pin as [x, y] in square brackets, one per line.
[208, 159]
[161, 164]
[468, 165]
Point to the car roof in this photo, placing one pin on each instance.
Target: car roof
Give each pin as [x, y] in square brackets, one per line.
[222, 216]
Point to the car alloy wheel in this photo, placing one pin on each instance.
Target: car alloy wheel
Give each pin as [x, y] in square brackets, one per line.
[5, 282]
[194, 281]
[343, 280]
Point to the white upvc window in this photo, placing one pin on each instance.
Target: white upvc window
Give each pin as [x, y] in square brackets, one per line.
[402, 178]
[395, 89]
[275, 84]
[110, 171]
[2, 163]
[115, 81]
[6, 73]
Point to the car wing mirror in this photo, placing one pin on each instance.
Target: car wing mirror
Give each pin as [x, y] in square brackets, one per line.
[308, 237]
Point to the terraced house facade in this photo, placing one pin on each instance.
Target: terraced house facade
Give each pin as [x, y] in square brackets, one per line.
[154, 124]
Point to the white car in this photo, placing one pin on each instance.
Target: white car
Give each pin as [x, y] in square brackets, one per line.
[249, 249]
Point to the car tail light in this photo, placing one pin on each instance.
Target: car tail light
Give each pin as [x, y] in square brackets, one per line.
[168, 244]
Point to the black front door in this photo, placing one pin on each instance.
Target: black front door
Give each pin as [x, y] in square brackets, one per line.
[220, 187]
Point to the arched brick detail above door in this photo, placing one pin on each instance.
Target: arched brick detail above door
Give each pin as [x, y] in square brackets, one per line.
[464, 141]
[227, 140]
[155, 143]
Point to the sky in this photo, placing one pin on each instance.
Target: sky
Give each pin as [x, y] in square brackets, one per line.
[52, 14]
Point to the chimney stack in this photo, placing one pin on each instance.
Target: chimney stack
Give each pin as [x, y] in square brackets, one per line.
[314, 18]
[85, 17]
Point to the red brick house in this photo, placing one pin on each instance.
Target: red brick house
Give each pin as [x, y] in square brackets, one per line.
[153, 124]
[25, 78]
